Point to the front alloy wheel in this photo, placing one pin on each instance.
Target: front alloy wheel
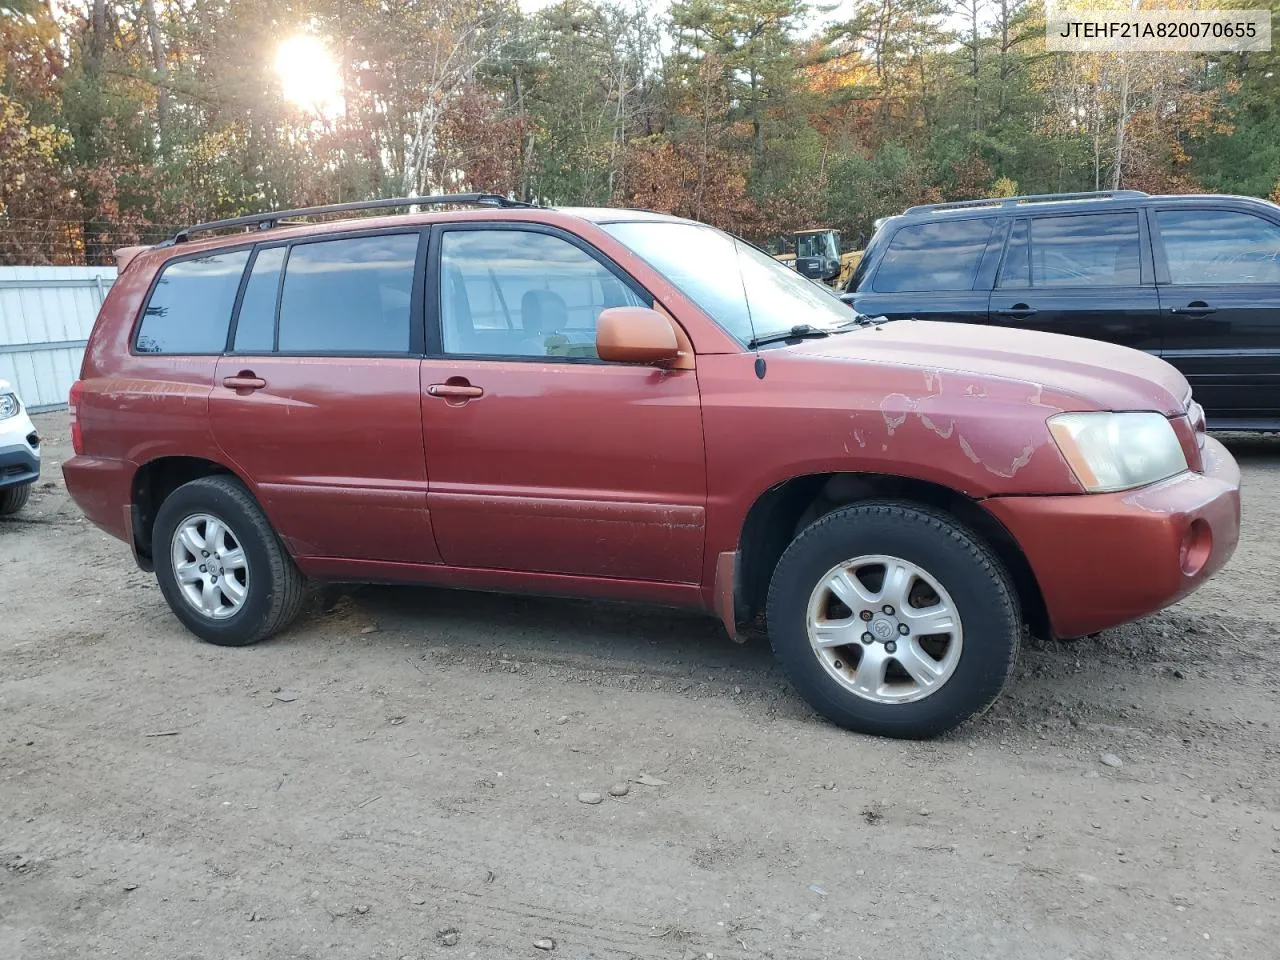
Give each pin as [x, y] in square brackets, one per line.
[885, 628]
[893, 618]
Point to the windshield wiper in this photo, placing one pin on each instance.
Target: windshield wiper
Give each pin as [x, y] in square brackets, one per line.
[801, 331]
[861, 320]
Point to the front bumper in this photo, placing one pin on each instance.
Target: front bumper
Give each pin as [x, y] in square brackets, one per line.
[1105, 559]
[19, 451]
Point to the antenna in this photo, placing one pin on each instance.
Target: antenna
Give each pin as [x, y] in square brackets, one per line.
[761, 366]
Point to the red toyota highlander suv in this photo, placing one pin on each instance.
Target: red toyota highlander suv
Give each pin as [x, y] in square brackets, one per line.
[617, 404]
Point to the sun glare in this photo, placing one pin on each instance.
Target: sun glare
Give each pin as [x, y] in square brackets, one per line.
[309, 76]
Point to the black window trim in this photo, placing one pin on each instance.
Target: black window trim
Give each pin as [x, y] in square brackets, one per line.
[1163, 277]
[435, 318]
[234, 328]
[997, 280]
[1146, 276]
[992, 259]
[977, 271]
[416, 295]
[136, 329]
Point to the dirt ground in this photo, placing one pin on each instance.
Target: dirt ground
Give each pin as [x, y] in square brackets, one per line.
[398, 776]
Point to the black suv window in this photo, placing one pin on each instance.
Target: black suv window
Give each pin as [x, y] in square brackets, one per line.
[1219, 246]
[190, 307]
[348, 296]
[1016, 269]
[1096, 249]
[943, 255]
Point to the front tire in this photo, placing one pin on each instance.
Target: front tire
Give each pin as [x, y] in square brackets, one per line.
[13, 499]
[220, 566]
[893, 619]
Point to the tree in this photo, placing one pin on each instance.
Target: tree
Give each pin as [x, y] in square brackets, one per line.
[122, 118]
[580, 77]
[35, 204]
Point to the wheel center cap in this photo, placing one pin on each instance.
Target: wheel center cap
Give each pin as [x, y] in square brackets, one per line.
[883, 629]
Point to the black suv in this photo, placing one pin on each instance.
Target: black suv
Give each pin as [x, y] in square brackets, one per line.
[1193, 279]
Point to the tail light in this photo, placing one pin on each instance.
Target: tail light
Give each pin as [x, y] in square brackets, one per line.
[73, 408]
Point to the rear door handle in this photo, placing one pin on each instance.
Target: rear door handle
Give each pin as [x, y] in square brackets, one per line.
[244, 380]
[1197, 308]
[455, 390]
[1017, 310]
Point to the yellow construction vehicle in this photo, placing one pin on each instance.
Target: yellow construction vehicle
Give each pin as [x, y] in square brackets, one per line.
[817, 256]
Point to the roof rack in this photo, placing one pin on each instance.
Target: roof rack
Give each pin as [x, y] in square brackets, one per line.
[265, 221]
[1030, 198]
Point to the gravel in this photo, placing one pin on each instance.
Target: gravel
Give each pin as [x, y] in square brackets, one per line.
[254, 803]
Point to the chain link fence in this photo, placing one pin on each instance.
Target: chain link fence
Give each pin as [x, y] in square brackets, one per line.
[30, 241]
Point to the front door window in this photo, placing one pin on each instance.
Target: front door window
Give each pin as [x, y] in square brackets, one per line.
[516, 293]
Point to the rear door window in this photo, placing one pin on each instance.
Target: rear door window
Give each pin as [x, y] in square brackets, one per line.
[189, 311]
[938, 256]
[1097, 249]
[1219, 247]
[347, 297]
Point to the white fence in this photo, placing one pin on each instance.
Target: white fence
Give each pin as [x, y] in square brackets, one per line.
[46, 314]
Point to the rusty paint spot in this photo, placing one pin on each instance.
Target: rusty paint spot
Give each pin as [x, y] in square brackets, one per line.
[894, 408]
[1018, 463]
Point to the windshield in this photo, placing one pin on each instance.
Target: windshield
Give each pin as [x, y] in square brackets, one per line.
[817, 245]
[750, 294]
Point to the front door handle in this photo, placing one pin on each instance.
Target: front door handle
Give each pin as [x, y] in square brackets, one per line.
[455, 391]
[1196, 308]
[1019, 310]
[244, 380]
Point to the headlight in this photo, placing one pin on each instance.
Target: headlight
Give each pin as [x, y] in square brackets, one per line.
[9, 406]
[1116, 451]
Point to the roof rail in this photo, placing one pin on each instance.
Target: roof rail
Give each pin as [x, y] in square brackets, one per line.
[265, 221]
[1030, 198]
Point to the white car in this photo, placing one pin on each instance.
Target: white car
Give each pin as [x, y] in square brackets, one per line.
[19, 452]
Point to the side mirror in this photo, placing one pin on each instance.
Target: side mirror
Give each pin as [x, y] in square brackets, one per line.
[832, 270]
[635, 335]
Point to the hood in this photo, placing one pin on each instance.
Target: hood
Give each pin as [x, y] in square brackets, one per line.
[1089, 374]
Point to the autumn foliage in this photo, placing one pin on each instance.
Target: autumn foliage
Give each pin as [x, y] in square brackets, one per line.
[120, 121]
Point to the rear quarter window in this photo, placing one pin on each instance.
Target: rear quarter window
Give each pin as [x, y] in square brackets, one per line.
[936, 256]
[189, 310]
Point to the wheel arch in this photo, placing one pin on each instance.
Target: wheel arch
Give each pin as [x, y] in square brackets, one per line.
[152, 484]
[780, 512]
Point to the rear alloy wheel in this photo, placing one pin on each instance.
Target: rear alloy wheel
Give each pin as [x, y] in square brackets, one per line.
[222, 568]
[210, 566]
[893, 619]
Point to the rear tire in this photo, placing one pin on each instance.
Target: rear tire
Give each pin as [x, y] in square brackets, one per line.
[939, 636]
[13, 499]
[221, 566]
